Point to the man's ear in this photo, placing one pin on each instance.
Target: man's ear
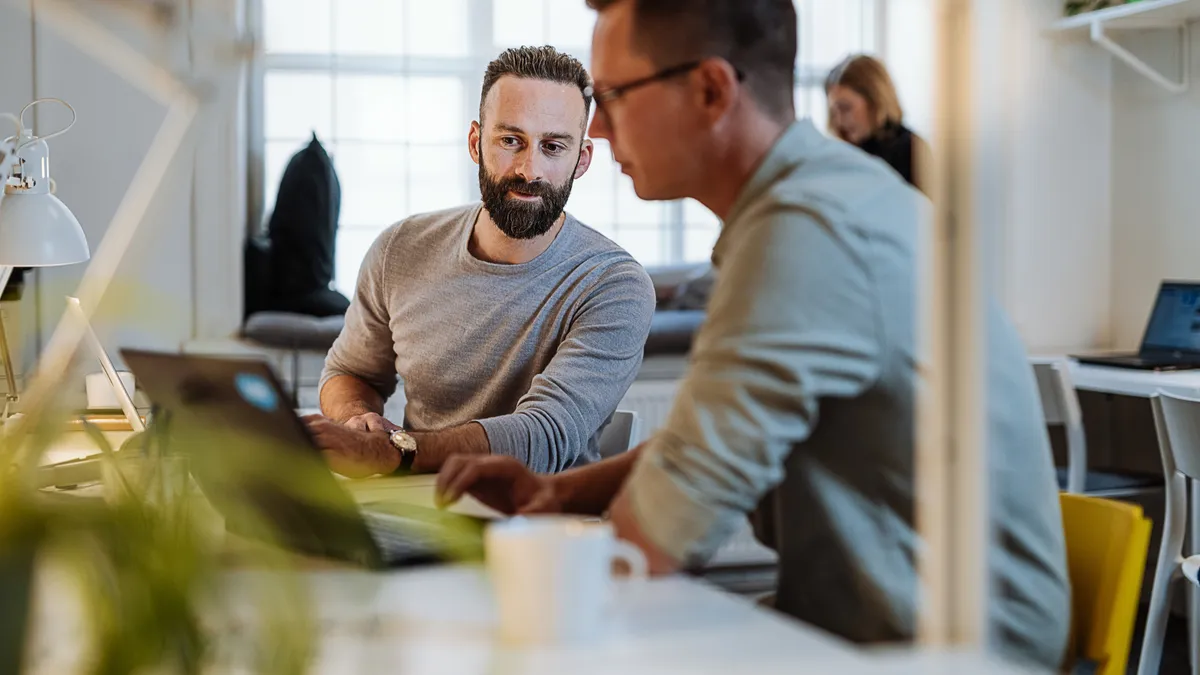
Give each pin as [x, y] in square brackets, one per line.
[718, 86]
[473, 137]
[585, 158]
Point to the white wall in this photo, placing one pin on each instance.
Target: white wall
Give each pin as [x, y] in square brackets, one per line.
[1043, 128]
[181, 279]
[16, 89]
[1059, 242]
[150, 302]
[908, 48]
[1155, 184]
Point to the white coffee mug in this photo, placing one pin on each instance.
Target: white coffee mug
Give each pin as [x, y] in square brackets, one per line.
[100, 393]
[552, 577]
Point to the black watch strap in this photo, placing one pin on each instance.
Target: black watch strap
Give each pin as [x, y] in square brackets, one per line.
[406, 460]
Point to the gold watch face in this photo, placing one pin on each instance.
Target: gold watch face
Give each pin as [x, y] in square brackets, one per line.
[404, 441]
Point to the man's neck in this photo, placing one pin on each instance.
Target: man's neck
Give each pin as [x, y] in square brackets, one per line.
[734, 162]
[490, 244]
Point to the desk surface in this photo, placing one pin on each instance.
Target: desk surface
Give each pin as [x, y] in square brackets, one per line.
[442, 620]
[1129, 382]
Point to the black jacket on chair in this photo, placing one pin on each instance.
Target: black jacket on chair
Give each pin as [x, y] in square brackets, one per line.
[302, 239]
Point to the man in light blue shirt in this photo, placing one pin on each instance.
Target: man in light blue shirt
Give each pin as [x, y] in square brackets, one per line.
[800, 400]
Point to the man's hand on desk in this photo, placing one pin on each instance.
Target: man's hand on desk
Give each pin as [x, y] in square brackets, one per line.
[505, 484]
[498, 481]
[352, 452]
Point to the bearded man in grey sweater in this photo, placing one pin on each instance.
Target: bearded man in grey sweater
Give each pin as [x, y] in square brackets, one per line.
[515, 328]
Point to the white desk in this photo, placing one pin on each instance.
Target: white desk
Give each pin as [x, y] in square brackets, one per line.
[1129, 382]
[442, 620]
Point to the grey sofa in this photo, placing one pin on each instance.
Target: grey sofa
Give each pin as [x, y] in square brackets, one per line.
[681, 292]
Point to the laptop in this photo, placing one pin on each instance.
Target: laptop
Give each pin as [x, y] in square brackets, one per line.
[1172, 338]
[253, 458]
[124, 398]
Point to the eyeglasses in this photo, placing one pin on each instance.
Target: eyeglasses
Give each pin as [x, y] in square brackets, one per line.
[613, 93]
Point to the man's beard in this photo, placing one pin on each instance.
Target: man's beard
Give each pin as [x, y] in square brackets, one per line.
[521, 219]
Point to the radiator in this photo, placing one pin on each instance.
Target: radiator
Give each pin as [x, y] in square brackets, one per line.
[651, 400]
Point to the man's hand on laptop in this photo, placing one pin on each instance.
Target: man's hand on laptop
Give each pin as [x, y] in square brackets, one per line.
[352, 452]
[498, 481]
[371, 422]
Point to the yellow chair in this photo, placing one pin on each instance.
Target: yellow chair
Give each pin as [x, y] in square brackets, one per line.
[1106, 554]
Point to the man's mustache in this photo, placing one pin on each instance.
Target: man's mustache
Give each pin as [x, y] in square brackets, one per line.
[536, 188]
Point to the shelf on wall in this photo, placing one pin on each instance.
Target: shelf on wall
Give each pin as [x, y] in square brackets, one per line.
[1133, 15]
[1144, 14]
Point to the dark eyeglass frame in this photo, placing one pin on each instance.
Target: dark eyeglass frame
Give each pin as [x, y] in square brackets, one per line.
[613, 93]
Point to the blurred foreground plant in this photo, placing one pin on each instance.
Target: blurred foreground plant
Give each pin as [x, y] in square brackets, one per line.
[145, 577]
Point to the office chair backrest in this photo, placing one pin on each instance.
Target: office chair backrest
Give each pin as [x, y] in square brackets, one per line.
[1177, 420]
[1106, 554]
[620, 434]
[1060, 406]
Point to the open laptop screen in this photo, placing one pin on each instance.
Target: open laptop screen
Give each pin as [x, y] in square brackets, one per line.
[1175, 322]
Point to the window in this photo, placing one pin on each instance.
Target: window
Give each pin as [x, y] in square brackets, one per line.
[390, 87]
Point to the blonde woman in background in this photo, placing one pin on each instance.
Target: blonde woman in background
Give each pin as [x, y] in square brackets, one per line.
[864, 110]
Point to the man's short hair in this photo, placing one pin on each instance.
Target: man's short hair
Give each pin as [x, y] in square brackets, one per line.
[538, 63]
[758, 37]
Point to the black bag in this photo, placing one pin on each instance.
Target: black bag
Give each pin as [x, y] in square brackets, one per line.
[256, 260]
[303, 236]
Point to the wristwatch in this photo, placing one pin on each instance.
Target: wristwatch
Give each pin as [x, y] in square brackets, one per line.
[406, 445]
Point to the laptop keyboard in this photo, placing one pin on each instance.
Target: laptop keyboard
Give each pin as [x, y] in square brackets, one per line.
[398, 542]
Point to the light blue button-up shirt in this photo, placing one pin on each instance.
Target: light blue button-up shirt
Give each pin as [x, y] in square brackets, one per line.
[800, 401]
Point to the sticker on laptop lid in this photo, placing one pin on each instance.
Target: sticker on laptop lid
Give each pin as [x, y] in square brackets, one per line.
[257, 391]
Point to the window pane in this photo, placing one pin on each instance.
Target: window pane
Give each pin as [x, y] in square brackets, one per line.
[698, 243]
[701, 228]
[520, 22]
[371, 107]
[368, 27]
[352, 246]
[296, 104]
[374, 182]
[296, 26]
[632, 211]
[643, 243]
[435, 110]
[593, 199]
[397, 108]
[570, 24]
[811, 102]
[435, 177]
[696, 214]
[437, 27]
[834, 29]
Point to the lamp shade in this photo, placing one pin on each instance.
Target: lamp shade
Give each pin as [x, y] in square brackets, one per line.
[38, 230]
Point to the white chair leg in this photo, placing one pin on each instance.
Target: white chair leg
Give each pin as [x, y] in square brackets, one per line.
[1193, 597]
[1193, 628]
[1165, 572]
[1156, 617]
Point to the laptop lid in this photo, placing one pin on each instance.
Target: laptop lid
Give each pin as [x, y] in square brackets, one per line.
[1174, 325]
[250, 454]
[124, 398]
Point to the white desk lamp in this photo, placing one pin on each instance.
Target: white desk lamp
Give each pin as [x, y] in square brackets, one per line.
[181, 95]
[36, 228]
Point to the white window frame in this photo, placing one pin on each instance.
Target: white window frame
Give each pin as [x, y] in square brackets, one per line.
[470, 70]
